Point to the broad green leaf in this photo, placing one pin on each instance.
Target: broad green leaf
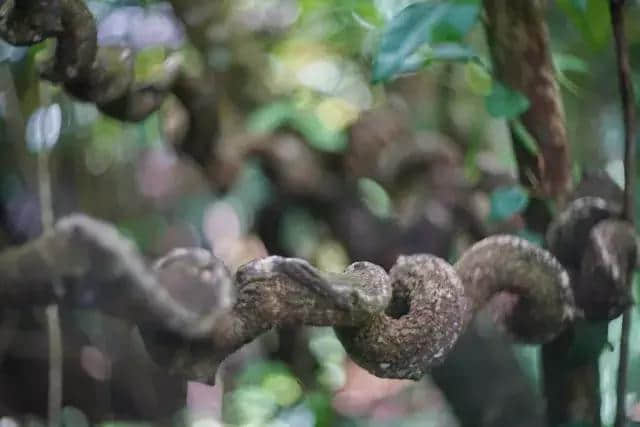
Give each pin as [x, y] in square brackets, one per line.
[524, 138]
[506, 202]
[419, 24]
[506, 103]
[478, 79]
[591, 18]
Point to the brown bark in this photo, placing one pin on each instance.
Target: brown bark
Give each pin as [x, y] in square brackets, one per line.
[519, 42]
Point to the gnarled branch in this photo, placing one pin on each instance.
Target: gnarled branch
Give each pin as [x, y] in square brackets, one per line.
[395, 325]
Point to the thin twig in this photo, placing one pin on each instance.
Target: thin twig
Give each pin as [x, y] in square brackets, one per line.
[54, 331]
[627, 99]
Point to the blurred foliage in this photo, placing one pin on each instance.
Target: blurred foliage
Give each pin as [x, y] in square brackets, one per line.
[267, 394]
[375, 197]
[421, 23]
[591, 17]
[505, 102]
[506, 202]
[322, 134]
[317, 60]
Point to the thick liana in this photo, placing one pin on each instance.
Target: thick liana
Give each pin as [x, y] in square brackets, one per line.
[431, 304]
[193, 313]
[599, 250]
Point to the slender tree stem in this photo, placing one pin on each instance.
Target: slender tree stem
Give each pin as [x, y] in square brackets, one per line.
[54, 331]
[627, 99]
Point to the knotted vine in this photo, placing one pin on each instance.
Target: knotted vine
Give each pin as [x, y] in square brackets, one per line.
[193, 313]
[599, 250]
[104, 75]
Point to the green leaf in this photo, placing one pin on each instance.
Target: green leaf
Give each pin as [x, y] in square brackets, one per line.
[445, 52]
[375, 197]
[567, 62]
[524, 138]
[591, 18]
[478, 79]
[270, 117]
[563, 63]
[451, 52]
[417, 24]
[458, 21]
[506, 202]
[283, 113]
[284, 388]
[506, 103]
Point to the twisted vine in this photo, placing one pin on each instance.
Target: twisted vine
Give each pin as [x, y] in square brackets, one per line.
[193, 314]
[599, 250]
[104, 75]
